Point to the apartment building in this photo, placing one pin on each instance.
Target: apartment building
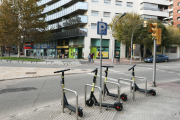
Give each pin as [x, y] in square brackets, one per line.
[75, 26]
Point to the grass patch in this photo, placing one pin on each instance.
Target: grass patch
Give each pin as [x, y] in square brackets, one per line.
[21, 58]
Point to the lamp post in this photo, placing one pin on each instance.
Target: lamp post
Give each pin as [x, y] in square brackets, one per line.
[111, 36]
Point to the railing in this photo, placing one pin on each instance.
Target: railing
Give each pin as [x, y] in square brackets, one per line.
[69, 22]
[70, 33]
[139, 78]
[100, 94]
[153, 9]
[76, 100]
[118, 91]
[67, 11]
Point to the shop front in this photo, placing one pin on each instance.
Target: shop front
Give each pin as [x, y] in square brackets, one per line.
[117, 49]
[76, 51]
[44, 51]
[28, 49]
[95, 48]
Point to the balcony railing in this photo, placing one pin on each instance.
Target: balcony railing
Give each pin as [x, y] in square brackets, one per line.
[154, 9]
[72, 21]
[70, 33]
[57, 5]
[67, 11]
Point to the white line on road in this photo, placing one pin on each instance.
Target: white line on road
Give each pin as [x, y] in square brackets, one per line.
[112, 79]
[149, 68]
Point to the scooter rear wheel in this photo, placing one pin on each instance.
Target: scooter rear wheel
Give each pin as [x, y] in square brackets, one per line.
[123, 96]
[118, 106]
[89, 102]
[80, 112]
[152, 92]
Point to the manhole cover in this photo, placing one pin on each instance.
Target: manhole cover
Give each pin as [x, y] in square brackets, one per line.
[30, 72]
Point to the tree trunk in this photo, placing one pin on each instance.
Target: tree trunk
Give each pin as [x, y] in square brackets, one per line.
[1, 51]
[18, 51]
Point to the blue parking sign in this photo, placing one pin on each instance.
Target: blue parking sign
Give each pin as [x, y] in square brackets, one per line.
[101, 28]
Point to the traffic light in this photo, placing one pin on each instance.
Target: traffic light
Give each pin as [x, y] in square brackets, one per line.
[158, 40]
[153, 30]
[134, 46]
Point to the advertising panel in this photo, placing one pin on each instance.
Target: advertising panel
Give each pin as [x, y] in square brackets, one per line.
[104, 54]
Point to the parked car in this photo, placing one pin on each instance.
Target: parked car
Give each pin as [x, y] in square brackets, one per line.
[21, 53]
[15, 53]
[159, 58]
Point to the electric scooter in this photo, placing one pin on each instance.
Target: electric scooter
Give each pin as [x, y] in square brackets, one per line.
[92, 100]
[151, 91]
[123, 96]
[66, 104]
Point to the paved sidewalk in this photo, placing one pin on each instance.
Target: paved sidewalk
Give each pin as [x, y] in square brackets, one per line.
[164, 106]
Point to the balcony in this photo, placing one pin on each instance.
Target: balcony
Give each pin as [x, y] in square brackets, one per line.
[80, 19]
[58, 5]
[79, 6]
[70, 33]
[42, 2]
[171, 3]
[154, 12]
[170, 10]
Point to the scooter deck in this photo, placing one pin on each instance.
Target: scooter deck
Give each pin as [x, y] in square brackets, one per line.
[113, 95]
[71, 107]
[105, 105]
[142, 90]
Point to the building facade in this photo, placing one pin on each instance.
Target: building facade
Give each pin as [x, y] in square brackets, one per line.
[75, 26]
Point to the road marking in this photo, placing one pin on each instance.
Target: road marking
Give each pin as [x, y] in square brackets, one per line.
[112, 79]
[170, 72]
[149, 68]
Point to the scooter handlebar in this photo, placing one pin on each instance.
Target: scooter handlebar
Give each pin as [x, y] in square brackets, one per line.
[94, 70]
[61, 71]
[131, 68]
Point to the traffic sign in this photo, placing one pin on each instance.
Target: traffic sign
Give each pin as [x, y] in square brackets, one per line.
[101, 28]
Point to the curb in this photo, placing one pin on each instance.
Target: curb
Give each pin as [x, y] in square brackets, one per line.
[39, 76]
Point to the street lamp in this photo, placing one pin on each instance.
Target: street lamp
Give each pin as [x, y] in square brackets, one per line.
[111, 36]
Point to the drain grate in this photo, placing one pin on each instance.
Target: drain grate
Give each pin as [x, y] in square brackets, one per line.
[30, 72]
[83, 70]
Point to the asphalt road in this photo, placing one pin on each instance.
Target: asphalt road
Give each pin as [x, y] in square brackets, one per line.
[17, 96]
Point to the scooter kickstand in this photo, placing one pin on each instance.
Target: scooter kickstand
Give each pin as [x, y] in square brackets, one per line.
[107, 108]
[70, 112]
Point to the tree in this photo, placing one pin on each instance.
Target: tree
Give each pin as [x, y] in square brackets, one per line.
[173, 34]
[22, 22]
[125, 26]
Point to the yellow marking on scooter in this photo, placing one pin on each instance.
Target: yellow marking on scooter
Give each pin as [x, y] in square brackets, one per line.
[95, 75]
[105, 80]
[93, 87]
[63, 86]
[133, 78]
[62, 76]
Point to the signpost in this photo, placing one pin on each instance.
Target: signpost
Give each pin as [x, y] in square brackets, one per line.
[101, 30]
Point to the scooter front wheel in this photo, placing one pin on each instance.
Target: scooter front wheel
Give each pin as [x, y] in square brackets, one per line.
[123, 96]
[152, 92]
[118, 106]
[89, 102]
[80, 112]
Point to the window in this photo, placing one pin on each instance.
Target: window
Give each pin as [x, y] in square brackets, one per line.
[178, 26]
[118, 14]
[171, 6]
[178, 3]
[171, 50]
[107, 2]
[171, 13]
[178, 11]
[94, 13]
[129, 4]
[108, 27]
[178, 18]
[107, 14]
[118, 3]
[93, 26]
[94, 1]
